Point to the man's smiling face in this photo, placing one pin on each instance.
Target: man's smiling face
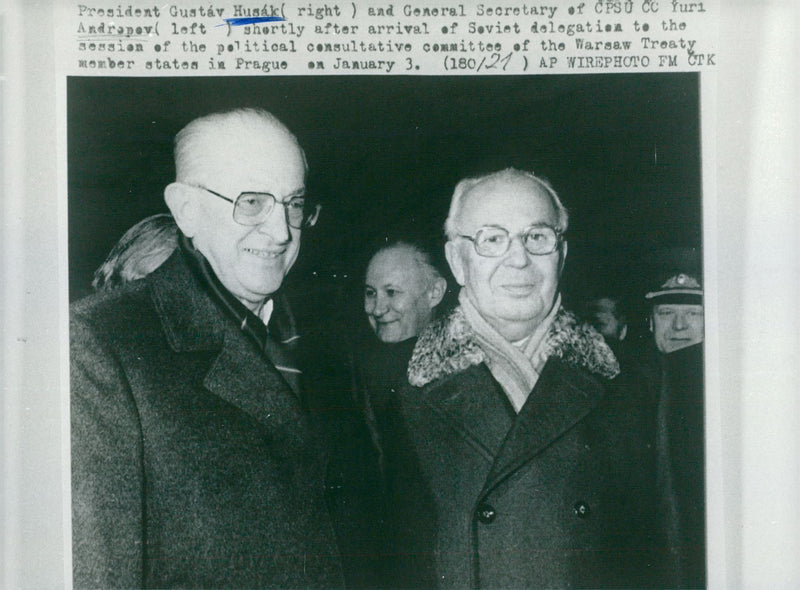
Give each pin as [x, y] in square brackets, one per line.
[250, 261]
[516, 291]
[398, 296]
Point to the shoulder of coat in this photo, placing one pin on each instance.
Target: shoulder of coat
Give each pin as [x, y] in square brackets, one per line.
[449, 346]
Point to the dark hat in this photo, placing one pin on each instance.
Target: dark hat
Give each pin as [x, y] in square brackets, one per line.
[679, 288]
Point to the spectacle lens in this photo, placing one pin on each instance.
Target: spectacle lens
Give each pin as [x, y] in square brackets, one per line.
[492, 241]
[495, 241]
[540, 240]
[254, 208]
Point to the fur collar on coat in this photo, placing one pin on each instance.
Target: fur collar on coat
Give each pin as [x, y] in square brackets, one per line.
[449, 346]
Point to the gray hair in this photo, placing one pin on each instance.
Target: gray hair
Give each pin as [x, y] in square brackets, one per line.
[421, 256]
[194, 139]
[463, 187]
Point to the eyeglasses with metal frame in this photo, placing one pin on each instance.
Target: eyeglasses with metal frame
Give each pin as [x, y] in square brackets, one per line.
[492, 241]
[253, 208]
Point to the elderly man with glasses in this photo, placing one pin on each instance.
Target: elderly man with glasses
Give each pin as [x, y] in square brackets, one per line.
[517, 458]
[193, 460]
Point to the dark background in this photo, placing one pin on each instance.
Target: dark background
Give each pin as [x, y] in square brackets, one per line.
[622, 151]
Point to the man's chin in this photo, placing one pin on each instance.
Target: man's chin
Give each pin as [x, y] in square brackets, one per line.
[390, 335]
[676, 345]
[517, 309]
[259, 292]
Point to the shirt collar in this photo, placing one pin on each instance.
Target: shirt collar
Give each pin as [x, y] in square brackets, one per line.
[265, 313]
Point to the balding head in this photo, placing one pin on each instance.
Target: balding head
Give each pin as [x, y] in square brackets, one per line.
[212, 140]
[507, 176]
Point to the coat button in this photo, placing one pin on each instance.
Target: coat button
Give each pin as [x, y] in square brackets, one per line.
[486, 513]
[581, 509]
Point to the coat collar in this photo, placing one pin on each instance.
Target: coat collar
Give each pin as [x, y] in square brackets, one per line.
[448, 370]
[239, 374]
[191, 320]
[450, 346]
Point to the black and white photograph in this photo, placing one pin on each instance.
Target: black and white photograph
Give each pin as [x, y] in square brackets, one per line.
[382, 387]
[377, 295]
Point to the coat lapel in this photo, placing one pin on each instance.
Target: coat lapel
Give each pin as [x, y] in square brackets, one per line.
[243, 377]
[562, 397]
[475, 407]
[449, 364]
[239, 374]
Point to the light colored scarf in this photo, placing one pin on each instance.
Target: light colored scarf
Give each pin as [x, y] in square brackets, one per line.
[516, 367]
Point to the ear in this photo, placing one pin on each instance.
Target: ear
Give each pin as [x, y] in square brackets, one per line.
[650, 322]
[436, 292]
[562, 257]
[183, 206]
[455, 261]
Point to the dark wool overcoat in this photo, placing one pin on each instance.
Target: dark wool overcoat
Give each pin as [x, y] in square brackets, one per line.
[193, 463]
[561, 495]
[678, 386]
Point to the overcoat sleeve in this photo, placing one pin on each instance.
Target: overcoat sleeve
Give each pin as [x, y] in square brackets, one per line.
[107, 467]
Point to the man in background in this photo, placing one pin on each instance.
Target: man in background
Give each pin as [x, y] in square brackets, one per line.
[676, 380]
[609, 315]
[608, 318]
[193, 460]
[402, 289]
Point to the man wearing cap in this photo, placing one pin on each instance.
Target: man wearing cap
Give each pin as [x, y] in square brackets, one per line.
[676, 322]
[518, 458]
[193, 461]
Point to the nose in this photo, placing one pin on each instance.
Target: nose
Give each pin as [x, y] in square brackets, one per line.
[679, 323]
[275, 225]
[516, 256]
[381, 306]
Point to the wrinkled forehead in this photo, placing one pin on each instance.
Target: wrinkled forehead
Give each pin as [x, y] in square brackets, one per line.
[512, 203]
